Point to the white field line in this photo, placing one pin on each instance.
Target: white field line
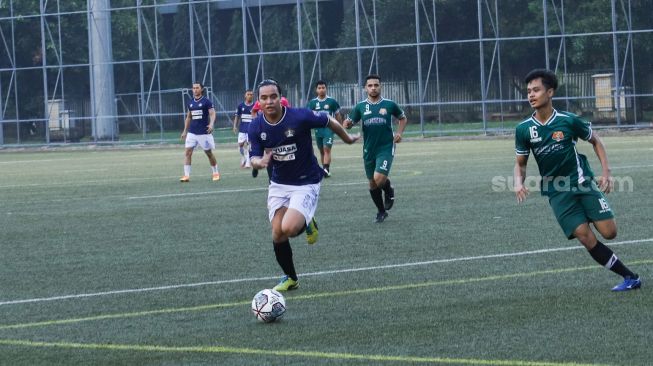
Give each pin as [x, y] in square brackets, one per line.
[319, 273]
[633, 166]
[226, 191]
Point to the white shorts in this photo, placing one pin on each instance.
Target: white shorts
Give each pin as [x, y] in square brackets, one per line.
[205, 141]
[301, 198]
[242, 137]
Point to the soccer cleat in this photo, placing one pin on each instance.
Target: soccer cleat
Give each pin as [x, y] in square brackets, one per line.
[628, 284]
[185, 179]
[380, 217]
[286, 284]
[327, 173]
[311, 232]
[254, 173]
[216, 177]
[389, 199]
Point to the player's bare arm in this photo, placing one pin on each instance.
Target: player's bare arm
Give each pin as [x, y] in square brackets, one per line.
[402, 126]
[606, 181]
[209, 128]
[519, 175]
[259, 162]
[186, 125]
[236, 124]
[347, 123]
[339, 130]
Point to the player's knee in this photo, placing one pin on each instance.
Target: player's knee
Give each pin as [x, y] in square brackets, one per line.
[609, 233]
[278, 235]
[607, 228]
[585, 235]
[379, 180]
[292, 229]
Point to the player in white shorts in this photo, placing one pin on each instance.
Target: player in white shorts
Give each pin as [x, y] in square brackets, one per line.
[281, 137]
[198, 131]
[242, 118]
[206, 141]
[300, 198]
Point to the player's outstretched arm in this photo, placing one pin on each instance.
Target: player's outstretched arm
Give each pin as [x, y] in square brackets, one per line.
[341, 132]
[606, 181]
[519, 175]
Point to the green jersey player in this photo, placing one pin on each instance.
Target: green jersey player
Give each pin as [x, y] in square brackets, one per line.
[324, 136]
[577, 199]
[379, 141]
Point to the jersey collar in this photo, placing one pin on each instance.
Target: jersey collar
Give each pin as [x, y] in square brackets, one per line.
[283, 115]
[370, 102]
[553, 115]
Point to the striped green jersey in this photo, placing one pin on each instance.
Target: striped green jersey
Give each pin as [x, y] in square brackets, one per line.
[553, 144]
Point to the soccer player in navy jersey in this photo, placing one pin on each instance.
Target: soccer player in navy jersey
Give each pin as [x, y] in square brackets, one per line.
[198, 130]
[281, 137]
[241, 124]
[256, 110]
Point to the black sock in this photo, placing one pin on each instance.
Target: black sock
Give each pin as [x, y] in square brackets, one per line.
[387, 186]
[283, 252]
[377, 198]
[326, 166]
[605, 257]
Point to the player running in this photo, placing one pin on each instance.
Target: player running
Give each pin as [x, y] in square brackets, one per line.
[567, 179]
[281, 137]
[324, 136]
[242, 118]
[378, 142]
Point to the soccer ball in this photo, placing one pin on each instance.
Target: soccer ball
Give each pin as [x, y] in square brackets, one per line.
[268, 305]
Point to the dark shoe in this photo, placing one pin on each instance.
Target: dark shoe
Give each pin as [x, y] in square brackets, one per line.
[380, 217]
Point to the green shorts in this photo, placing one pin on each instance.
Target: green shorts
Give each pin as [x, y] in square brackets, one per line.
[582, 204]
[324, 137]
[378, 160]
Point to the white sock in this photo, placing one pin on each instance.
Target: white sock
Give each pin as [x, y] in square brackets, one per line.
[187, 170]
[214, 168]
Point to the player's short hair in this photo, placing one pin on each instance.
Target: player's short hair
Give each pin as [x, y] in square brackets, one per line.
[248, 90]
[320, 82]
[549, 78]
[270, 81]
[372, 76]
